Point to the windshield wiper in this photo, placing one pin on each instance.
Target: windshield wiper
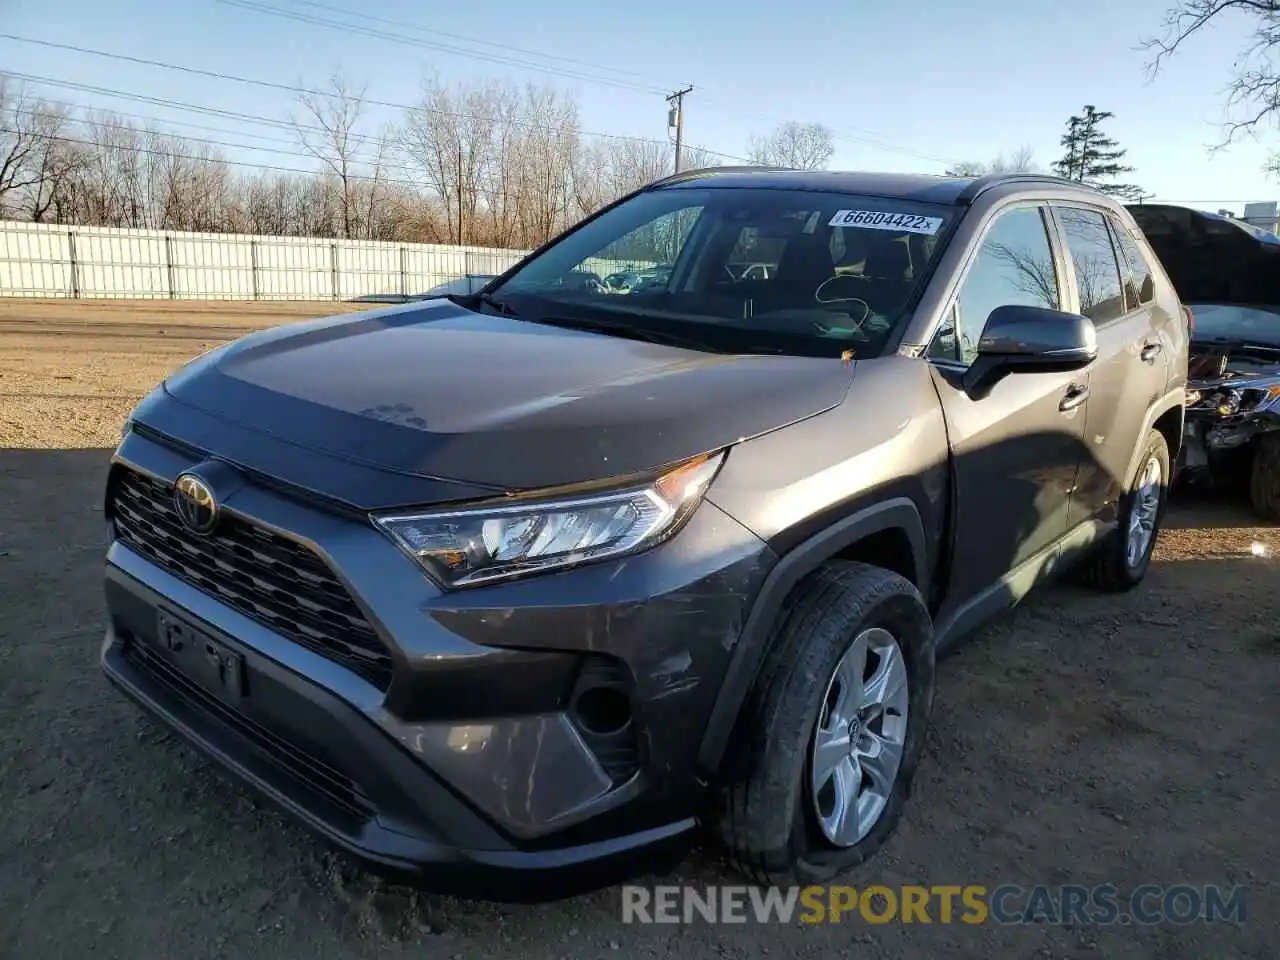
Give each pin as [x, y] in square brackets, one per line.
[471, 301]
[625, 330]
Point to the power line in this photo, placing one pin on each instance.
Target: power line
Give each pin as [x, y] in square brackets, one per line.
[173, 155]
[330, 94]
[289, 125]
[168, 121]
[457, 36]
[221, 144]
[376, 34]
[866, 139]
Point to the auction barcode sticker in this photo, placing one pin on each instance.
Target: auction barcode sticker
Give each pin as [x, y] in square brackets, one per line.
[886, 220]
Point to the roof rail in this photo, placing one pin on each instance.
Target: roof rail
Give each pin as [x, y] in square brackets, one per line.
[705, 171]
[991, 180]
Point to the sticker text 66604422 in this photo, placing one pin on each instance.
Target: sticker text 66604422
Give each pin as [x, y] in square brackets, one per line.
[886, 220]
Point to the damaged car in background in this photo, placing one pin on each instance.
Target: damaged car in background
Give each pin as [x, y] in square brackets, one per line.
[1227, 274]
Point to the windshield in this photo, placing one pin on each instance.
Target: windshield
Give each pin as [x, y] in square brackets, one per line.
[1256, 325]
[740, 270]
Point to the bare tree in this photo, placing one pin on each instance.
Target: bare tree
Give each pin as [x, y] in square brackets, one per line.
[545, 177]
[607, 170]
[695, 157]
[499, 165]
[51, 163]
[803, 146]
[30, 131]
[498, 179]
[1036, 276]
[1021, 160]
[448, 138]
[331, 134]
[194, 186]
[1253, 97]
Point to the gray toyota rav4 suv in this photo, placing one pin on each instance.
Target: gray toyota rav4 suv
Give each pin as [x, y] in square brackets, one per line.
[510, 592]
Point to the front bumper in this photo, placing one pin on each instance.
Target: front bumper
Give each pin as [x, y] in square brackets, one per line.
[468, 771]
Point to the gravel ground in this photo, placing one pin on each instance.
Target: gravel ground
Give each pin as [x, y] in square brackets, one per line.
[1083, 739]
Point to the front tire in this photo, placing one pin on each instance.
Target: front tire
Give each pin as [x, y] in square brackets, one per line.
[1264, 478]
[1122, 559]
[826, 749]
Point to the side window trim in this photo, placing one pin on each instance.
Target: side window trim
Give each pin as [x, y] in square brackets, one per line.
[1140, 249]
[1128, 279]
[1058, 251]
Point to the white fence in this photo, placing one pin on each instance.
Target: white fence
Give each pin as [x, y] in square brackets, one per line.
[42, 260]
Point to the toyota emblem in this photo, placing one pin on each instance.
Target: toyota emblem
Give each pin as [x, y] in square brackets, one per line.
[195, 504]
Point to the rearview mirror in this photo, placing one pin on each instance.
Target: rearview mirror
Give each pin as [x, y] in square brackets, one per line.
[1018, 339]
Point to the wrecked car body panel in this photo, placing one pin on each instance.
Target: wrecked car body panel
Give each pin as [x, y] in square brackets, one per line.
[1233, 396]
[1227, 273]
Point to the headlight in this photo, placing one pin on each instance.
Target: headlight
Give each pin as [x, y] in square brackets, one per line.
[1228, 402]
[498, 541]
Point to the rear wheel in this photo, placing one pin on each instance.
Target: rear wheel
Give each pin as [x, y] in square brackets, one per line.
[1264, 478]
[826, 749]
[1122, 559]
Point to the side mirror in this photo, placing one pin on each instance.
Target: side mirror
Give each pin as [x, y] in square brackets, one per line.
[1020, 339]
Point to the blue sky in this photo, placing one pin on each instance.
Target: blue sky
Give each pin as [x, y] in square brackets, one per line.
[905, 86]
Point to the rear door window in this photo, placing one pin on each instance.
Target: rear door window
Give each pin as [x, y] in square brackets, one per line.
[1093, 259]
[1141, 286]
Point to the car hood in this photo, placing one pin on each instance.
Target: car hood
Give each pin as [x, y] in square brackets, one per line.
[1211, 258]
[432, 390]
[1214, 364]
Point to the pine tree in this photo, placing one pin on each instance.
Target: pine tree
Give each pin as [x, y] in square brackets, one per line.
[1092, 157]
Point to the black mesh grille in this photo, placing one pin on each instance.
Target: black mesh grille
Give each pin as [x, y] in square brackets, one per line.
[259, 573]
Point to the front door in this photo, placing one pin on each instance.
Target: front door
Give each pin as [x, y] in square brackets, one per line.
[1016, 450]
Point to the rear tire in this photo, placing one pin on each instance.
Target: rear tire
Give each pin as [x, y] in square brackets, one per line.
[873, 625]
[1121, 560]
[1264, 478]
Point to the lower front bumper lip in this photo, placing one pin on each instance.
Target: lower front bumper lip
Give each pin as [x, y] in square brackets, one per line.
[430, 862]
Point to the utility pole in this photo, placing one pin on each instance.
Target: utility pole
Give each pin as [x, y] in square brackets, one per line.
[675, 118]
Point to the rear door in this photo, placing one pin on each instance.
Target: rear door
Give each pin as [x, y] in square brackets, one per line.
[1131, 371]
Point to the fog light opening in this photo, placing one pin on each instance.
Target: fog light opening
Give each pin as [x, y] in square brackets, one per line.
[603, 711]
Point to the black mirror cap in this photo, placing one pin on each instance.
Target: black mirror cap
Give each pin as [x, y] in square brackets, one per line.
[1021, 339]
[1039, 338]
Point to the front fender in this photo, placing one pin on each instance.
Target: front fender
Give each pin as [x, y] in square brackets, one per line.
[899, 513]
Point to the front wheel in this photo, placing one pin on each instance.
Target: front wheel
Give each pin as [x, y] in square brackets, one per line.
[1121, 560]
[826, 749]
[1264, 479]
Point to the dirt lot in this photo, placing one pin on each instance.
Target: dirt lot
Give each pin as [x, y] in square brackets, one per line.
[1084, 739]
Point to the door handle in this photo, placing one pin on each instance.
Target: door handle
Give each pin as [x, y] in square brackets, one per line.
[1150, 351]
[1075, 395]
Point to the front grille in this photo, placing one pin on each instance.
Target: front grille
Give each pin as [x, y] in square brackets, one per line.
[297, 762]
[278, 582]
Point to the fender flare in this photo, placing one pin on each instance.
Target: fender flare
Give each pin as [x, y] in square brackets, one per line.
[899, 513]
[1174, 399]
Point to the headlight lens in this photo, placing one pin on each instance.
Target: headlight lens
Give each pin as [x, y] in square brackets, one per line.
[498, 541]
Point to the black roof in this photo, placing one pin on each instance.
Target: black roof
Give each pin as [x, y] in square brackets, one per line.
[898, 186]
